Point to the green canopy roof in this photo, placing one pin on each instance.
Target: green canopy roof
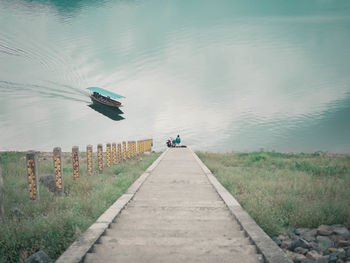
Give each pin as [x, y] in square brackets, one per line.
[106, 93]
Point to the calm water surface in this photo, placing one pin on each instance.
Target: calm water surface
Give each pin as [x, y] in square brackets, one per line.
[229, 75]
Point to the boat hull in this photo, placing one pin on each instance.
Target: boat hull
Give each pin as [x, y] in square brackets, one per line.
[105, 102]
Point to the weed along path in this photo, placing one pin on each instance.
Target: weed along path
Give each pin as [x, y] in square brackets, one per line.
[179, 215]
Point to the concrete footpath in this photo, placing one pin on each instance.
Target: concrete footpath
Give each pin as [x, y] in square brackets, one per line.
[177, 215]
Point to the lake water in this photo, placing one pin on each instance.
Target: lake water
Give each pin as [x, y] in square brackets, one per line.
[232, 75]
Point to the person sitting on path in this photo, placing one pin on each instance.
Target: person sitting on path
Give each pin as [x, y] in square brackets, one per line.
[178, 140]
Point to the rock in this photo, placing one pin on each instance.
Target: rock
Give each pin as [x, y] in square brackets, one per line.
[286, 244]
[341, 253]
[306, 233]
[336, 238]
[39, 257]
[333, 257]
[301, 250]
[312, 254]
[341, 231]
[300, 243]
[332, 249]
[49, 181]
[314, 246]
[294, 237]
[297, 258]
[343, 243]
[301, 230]
[310, 235]
[277, 240]
[323, 259]
[324, 243]
[283, 237]
[347, 252]
[324, 230]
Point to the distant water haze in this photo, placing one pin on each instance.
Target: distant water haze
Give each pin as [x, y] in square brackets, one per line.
[231, 75]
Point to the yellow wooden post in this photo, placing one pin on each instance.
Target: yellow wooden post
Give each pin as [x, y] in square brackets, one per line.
[57, 161]
[114, 153]
[133, 149]
[124, 151]
[32, 171]
[129, 156]
[75, 160]
[119, 153]
[100, 158]
[89, 159]
[108, 154]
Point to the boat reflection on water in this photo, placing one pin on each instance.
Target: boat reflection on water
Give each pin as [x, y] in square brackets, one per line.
[112, 113]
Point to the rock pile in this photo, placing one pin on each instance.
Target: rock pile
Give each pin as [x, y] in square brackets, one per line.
[326, 244]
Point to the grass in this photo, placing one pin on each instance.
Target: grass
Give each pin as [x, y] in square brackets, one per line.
[280, 190]
[54, 222]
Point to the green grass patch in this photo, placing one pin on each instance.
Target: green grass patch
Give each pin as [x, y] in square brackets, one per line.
[280, 190]
[54, 222]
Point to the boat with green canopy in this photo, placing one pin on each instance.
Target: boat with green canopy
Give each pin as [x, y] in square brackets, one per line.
[105, 97]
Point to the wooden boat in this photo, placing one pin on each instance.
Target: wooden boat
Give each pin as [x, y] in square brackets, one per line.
[104, 97]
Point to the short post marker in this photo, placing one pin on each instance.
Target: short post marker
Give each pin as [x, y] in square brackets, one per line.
[114, 153]
[57, 162]
[75, 160]
[108, 154]
[119, 153]
[89, 159]
[32, 171]
[100, 158]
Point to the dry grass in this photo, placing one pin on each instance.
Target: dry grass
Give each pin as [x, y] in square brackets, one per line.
[281, 190]
[53, 223]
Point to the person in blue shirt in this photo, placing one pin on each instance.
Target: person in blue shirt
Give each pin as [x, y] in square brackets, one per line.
[178, 140]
